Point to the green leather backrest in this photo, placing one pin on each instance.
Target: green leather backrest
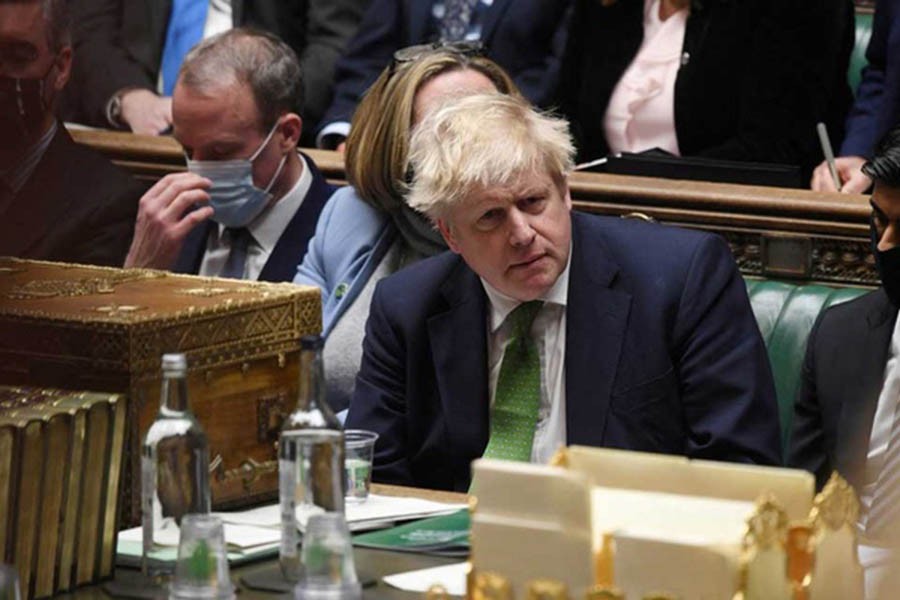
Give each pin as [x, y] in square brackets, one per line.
[858, 56]
[785, 313]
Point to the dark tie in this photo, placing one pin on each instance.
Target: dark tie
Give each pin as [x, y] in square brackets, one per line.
[518, 394]
[457, 17]
[884, 513]
[186, 21]
[241, 239]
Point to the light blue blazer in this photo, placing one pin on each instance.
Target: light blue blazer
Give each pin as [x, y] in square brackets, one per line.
[351, 239]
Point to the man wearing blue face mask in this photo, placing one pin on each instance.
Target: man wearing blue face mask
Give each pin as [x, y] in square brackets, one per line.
[249, 202]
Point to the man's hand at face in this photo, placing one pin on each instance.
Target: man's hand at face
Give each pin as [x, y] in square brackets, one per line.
[853, 180]
[166, 214]
[145, 112]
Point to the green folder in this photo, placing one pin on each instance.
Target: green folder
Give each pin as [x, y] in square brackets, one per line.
[447, 535]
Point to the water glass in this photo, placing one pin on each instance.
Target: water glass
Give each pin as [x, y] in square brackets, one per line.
[201, 571]
[329, 571]
[9, 583]
[359, 447]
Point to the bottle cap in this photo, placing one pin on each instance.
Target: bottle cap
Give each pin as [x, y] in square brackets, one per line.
[174, 362]
[312, 342]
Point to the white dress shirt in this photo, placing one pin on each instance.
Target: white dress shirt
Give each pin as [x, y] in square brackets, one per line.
[549, 332]
[266, 230]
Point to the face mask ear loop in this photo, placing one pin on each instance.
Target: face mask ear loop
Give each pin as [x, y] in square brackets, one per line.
[264, 143]
[277, 173]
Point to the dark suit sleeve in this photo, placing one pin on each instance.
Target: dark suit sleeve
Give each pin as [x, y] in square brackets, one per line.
[110, 227]
[101, 65]
[540, 84]
[368, 53]
[726, 382]
[862, 128]
[379, 400]
[329, 25]
[790, 82]
[808, 446]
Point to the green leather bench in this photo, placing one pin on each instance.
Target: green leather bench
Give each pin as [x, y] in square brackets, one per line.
[786, 313]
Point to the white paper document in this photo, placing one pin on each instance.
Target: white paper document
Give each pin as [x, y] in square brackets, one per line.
[452, 577]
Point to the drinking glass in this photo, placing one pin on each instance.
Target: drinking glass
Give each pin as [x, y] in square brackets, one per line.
[201, 571]
[359, 448]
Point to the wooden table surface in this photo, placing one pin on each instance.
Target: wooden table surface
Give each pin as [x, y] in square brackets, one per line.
[369, 562]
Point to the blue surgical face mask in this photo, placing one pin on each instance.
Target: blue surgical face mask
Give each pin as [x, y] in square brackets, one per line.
[234, 197]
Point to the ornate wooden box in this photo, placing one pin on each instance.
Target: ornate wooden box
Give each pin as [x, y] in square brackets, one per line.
[60, 467]
[104, 329]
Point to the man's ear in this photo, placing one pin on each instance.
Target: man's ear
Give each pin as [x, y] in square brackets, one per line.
[291, 128]
[63, 63]
[447, 233]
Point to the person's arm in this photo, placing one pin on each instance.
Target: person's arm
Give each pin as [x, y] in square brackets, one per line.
[329, 26]
[368, 53]
[808, 448]
[726, 382]
[166, 215]
[379, 400]
[111, 226]
[102, 65]
[313, 269]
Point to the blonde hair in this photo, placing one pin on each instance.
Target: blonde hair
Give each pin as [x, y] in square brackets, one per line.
[482, 141]
[378, 144]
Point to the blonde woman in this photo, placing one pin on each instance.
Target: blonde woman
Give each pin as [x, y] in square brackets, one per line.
[366, 231]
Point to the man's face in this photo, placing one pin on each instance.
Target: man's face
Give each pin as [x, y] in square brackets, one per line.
[224, 124]
[25, 53]
[516, 237]
[886, 216]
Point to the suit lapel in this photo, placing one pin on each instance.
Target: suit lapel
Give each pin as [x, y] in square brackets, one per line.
[43, 199]
[458, 338]
[865, 368]
[596, 318]
[494, 14]
[291, 246]
[418, 18]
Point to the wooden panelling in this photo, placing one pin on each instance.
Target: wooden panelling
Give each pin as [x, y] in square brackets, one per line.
[763, 225]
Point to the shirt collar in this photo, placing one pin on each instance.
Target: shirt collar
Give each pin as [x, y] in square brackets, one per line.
[16, 176]
[502, 305]
[268, 227]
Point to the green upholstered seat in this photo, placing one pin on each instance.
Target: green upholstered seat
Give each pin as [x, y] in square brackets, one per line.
[785, 313]
[858, 56]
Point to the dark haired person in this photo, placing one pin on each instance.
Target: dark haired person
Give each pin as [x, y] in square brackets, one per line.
[525, 37]
[249, 203]
[58, 200]
[131, 50]
[846, 415]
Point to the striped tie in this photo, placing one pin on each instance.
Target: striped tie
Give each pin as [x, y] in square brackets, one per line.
[236, 264]
[518, 394]
[884, 513]
[457, 17]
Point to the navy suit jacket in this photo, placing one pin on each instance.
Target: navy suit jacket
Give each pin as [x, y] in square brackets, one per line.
[877, 106]
[662, 355]
[288, 253]
[525, 37]
[839, 391]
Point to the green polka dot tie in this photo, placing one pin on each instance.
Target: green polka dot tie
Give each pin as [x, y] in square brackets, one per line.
[518, 393]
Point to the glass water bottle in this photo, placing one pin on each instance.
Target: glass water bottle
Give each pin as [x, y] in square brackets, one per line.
[174, 463]
[310, 457]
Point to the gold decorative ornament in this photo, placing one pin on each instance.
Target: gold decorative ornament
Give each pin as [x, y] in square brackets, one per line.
[560, 458]
[546, 589]
[763, 574]
[603, 592]
[437, 592]
[836, 505]
[491, 586]
[604, 562]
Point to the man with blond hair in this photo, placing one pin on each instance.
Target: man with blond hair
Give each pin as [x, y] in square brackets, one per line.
[543, 327]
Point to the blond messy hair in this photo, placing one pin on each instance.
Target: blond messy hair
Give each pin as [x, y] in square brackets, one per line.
[377, 148]
[481, 141]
